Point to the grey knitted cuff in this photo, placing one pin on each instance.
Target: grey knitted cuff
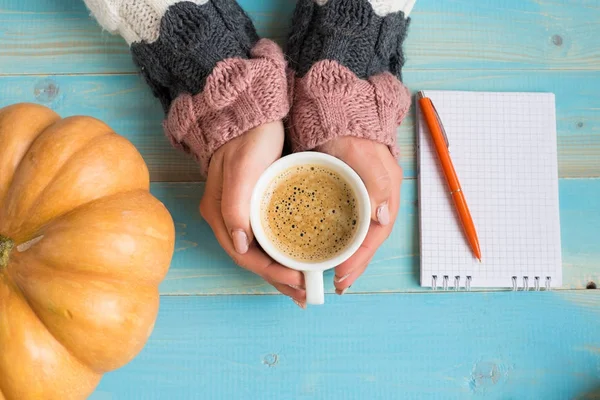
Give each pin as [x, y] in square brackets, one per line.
[349, 32]
[192, 39]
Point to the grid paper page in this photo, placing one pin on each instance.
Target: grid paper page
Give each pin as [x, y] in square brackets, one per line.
[503, 146]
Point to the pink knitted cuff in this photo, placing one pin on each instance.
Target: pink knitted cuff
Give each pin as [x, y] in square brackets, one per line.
[331, 101]
[239, 95]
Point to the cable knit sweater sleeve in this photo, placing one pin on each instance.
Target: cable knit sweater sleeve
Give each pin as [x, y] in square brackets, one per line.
[205, 63]
[347, 56]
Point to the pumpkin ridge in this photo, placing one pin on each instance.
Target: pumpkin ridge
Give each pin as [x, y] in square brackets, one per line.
[71, 344]
[59, 171]
[12, 178]
[74, 275]
[76, 369]
[48, 331]
[97, 275]
[26, 105]
[132, 278]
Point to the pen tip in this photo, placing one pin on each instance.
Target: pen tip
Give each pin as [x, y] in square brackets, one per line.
[480, 260]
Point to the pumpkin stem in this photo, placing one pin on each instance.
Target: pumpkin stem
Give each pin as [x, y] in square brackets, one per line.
[6, 245]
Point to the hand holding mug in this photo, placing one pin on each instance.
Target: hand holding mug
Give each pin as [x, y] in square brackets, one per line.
[233, 172]
[382, 176]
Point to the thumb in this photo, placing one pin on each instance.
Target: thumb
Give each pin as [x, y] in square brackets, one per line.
[363, 156]
[242, 167]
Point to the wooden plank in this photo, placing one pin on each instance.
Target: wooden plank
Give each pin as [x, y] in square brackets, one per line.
[513, 34]
[442, 346]
[200, 266]
[125, 102]
[58, 42]
[122, 101]
[60, 37]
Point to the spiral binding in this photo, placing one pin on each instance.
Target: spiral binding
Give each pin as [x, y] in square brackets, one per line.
[445, 280]
[536, 284]
[515, 284]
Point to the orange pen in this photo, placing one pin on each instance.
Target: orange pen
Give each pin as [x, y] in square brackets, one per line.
[440, 140]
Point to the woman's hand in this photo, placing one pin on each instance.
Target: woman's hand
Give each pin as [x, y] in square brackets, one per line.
[232, 174]
[382, 176]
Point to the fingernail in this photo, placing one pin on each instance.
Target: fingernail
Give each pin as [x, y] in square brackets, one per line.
[341, 292]
[342, 279]
[383, 214]
[296, 287]
[240, 241]
[299, 304]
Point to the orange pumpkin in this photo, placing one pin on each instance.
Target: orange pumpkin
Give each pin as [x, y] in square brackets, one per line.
[83, 248]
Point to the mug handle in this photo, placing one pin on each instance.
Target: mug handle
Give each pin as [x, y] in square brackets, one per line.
[315, 290]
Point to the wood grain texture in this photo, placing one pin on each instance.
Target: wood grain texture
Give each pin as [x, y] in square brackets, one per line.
[126, 104]
[122, 101]
[442, 346]
[59, 36]
[201, 267]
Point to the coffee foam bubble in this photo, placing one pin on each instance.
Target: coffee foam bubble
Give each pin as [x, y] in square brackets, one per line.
[310, 213]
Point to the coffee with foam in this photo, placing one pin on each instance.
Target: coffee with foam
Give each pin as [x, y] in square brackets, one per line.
[309, 213]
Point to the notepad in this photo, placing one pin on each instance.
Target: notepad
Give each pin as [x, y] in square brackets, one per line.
[503, 146]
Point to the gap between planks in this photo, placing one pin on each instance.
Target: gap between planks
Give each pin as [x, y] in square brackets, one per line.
[407, 178]
[383, 292]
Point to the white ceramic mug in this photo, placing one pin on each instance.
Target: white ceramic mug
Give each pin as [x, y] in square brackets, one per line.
[313, 271]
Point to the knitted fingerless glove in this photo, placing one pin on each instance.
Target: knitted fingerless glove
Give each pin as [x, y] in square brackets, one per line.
[205, 63]
[347, 56]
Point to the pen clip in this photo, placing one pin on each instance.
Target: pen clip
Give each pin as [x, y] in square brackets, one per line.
[439, 120]
[420, 95]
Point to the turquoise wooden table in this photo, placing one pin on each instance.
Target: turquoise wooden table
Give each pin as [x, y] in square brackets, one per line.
[223, 333]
